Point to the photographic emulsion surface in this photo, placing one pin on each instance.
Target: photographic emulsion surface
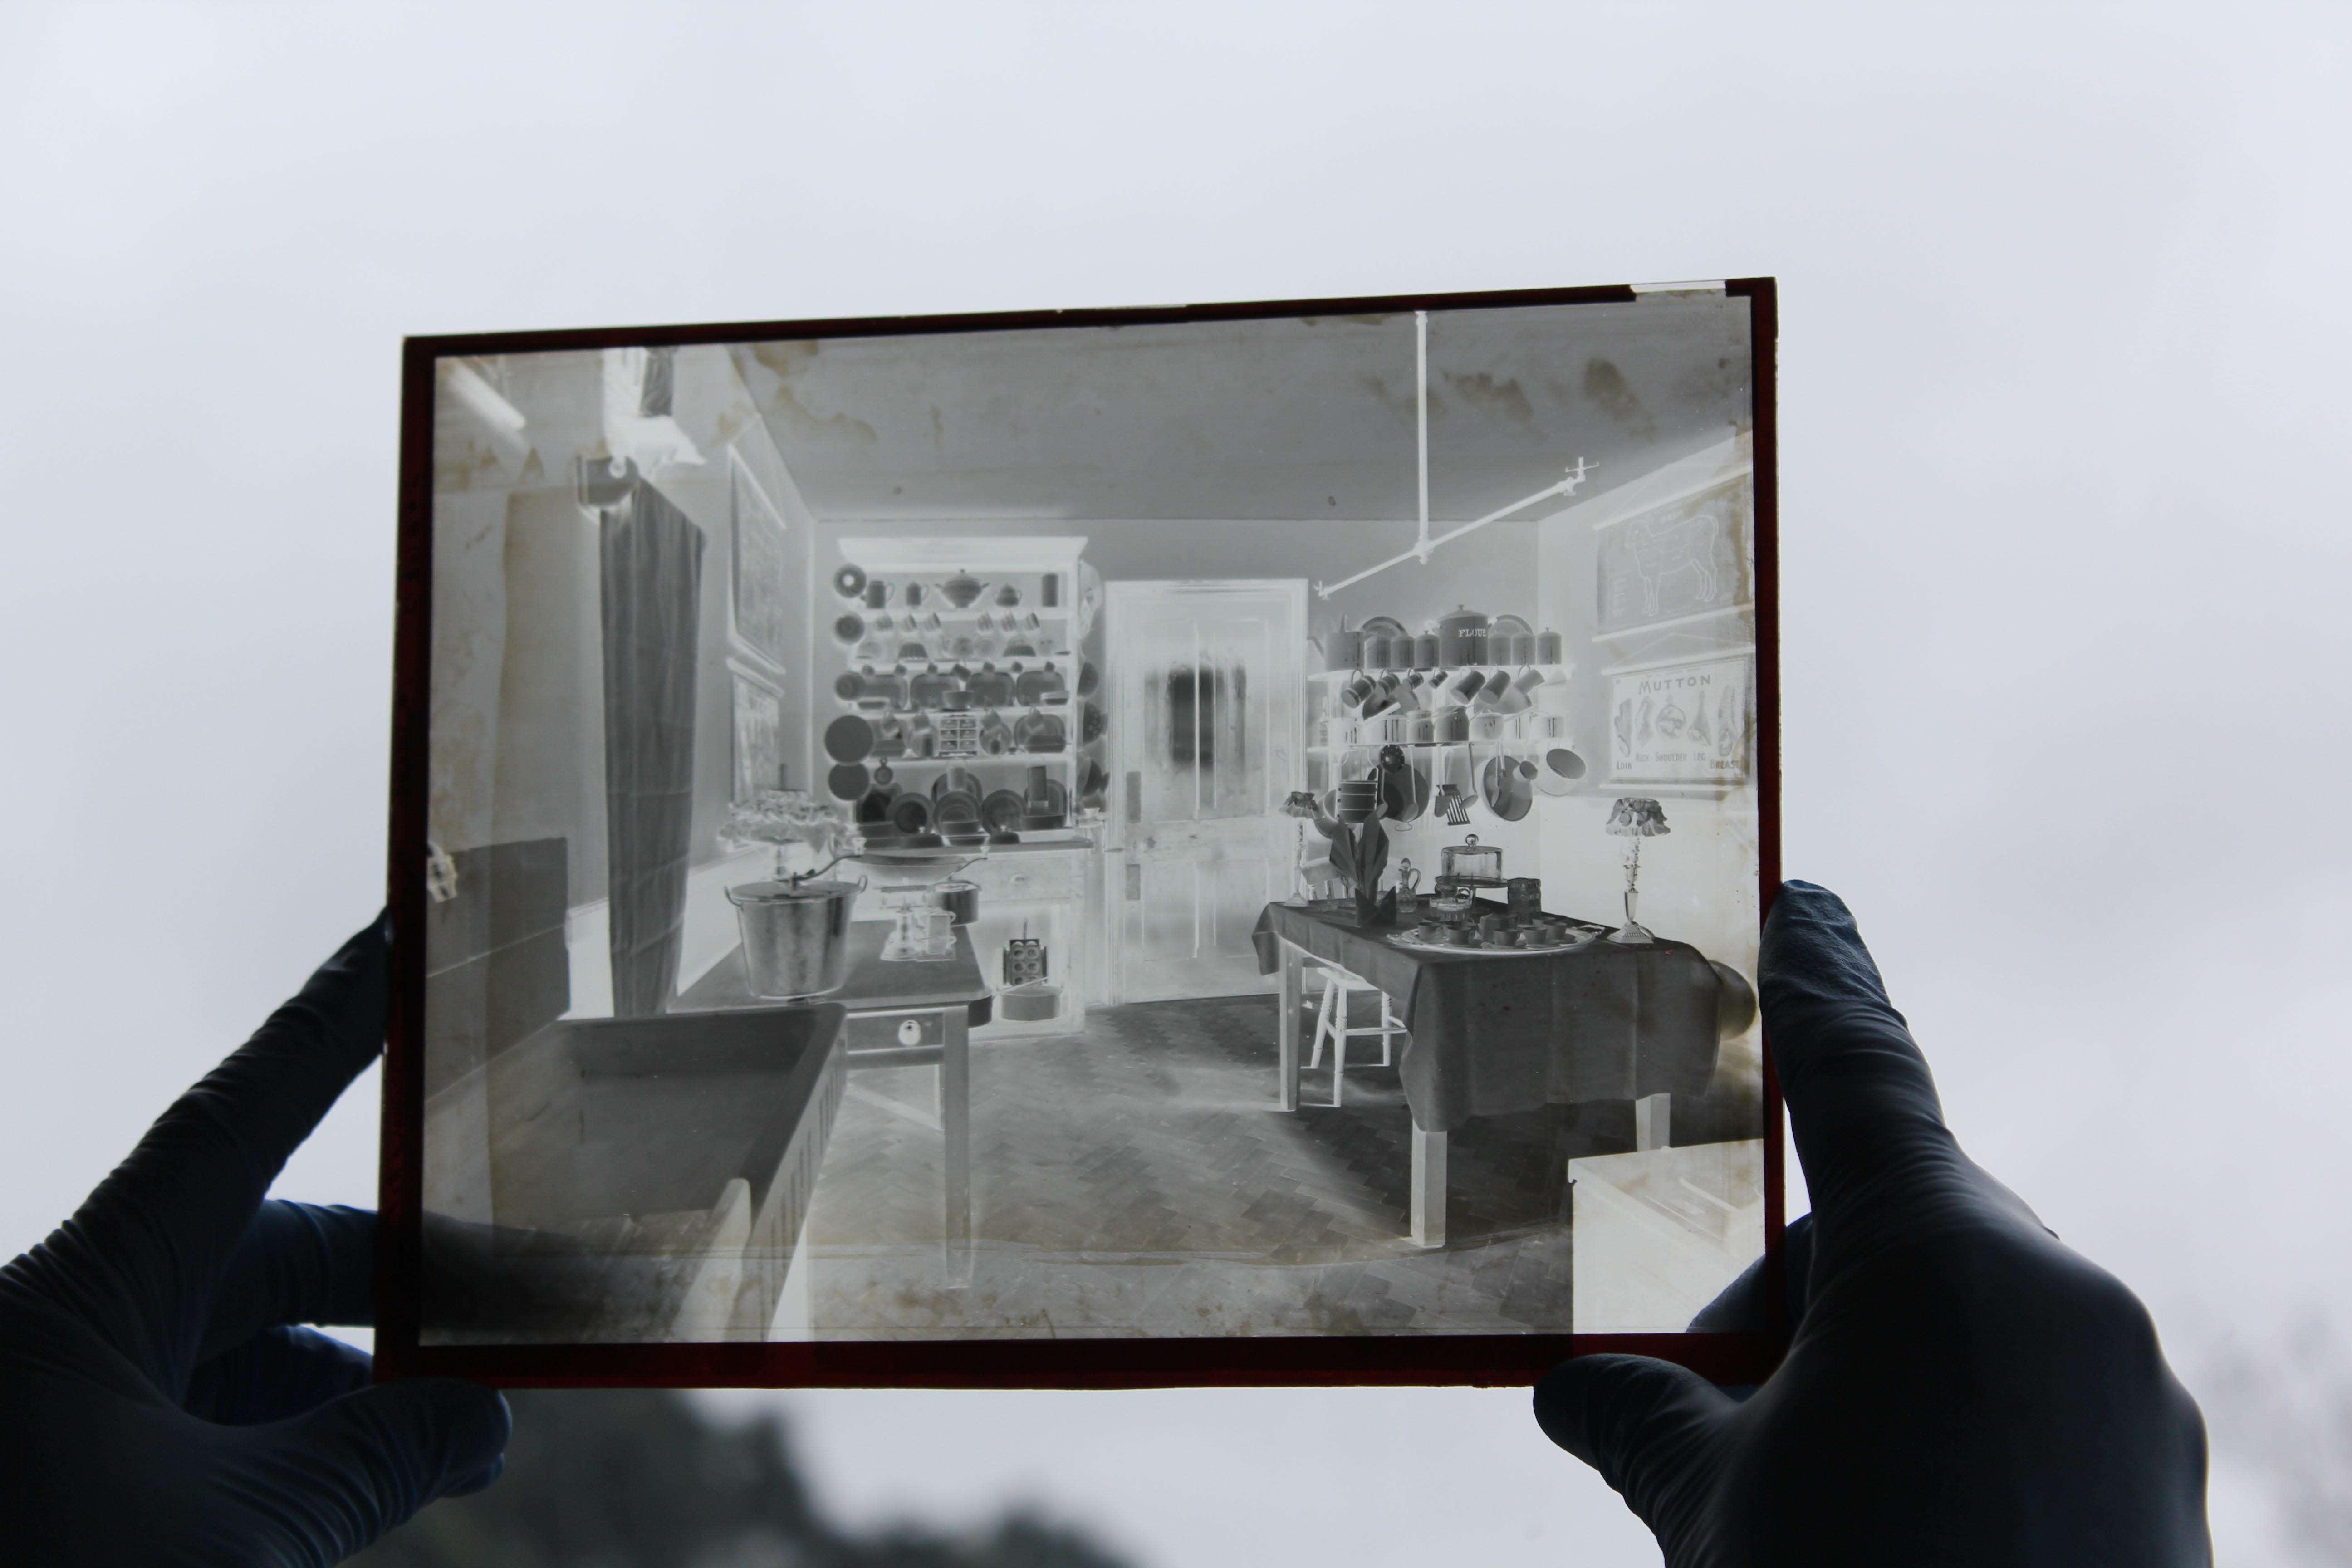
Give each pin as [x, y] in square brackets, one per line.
[1191, 845]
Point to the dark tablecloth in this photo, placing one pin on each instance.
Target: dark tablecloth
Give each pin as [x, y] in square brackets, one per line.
[1496, 1035]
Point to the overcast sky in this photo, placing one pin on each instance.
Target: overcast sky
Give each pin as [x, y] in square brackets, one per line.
[2063, 396]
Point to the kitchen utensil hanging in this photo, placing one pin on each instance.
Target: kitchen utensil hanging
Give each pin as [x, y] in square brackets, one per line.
[848, 781]
[849, 739]
[1405, 792]
[1507, 786]
[1557, 769]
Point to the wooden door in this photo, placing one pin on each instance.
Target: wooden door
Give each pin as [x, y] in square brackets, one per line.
[1206, 741]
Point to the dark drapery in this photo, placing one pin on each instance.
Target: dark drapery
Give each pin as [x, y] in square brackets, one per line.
[652, 589]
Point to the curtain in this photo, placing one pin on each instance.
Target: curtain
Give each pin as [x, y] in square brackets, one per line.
[652, 588]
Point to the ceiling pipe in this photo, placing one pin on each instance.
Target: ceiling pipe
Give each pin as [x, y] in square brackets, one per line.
[1421, 398]
[1422, 543]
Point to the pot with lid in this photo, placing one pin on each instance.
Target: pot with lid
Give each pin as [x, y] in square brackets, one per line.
[1461, 639]
[795, 936]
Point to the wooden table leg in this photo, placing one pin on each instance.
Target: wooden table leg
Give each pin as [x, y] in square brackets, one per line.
[1653, 1122]
[1428, 1187]
[955, 1120]
[1285, 1092]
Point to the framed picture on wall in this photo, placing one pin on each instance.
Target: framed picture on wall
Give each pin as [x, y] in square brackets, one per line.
[1095, 628]
[759, 734]
[1685, 722]
[1686, 559]
[762, 594]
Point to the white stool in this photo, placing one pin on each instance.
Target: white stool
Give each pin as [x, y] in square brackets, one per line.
[1332, 1022]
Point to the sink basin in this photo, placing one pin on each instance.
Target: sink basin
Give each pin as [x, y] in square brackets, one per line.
[648, 1179]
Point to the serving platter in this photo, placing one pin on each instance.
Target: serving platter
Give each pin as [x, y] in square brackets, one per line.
[1578, 936]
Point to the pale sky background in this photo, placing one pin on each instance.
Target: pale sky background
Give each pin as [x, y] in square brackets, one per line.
[2064, 397]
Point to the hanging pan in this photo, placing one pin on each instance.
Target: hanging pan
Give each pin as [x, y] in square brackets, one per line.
[1405, 792]
[1506, 784]
[849, 739]
[1557, 769]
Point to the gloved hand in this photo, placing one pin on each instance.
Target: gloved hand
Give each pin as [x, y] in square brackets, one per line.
[156, 1404]
[1961, 1388]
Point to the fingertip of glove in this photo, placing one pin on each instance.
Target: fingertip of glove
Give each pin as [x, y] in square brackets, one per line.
[478, 1482]
[1797, 899]
[1560, 1399]
[473, 1422]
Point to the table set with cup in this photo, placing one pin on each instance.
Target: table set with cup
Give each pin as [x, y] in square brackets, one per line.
[1454, 917]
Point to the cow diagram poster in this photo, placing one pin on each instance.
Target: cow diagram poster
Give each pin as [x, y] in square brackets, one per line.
[1680, 562]
[1682, 723]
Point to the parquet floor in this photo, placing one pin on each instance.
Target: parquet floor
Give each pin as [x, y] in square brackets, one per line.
[1135, 1179]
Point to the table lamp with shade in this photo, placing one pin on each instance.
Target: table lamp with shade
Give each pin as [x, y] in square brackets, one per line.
[1636, 819]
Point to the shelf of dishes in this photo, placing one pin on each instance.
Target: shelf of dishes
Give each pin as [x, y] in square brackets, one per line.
[928, 686]
[1437, 671]
[1453, 641]
[864, 644]
[956, 592]
[960, 804]
[1448, 727]
[958, 733]
[1467, 703]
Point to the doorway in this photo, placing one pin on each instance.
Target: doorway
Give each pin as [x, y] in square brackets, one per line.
[1206, 738]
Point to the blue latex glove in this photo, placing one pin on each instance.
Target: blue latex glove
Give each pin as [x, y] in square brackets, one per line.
[156, 1404]
[1961, 1388]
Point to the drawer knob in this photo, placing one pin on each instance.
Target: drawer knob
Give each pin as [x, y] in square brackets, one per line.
[910, 1033]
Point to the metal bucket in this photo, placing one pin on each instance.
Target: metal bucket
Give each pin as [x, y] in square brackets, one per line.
[795, 936]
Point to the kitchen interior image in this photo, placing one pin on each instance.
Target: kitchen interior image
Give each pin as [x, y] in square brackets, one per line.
[1224, 827]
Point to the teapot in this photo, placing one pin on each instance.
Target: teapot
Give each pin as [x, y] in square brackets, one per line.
[962, 589]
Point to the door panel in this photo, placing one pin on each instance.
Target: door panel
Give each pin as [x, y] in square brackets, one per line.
[1205, 677]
